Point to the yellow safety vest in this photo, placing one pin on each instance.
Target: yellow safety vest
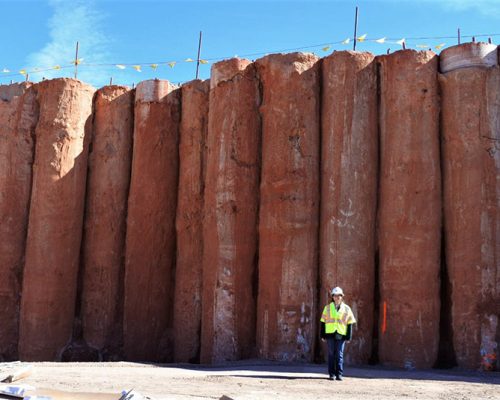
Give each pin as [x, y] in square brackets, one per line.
[337, 321]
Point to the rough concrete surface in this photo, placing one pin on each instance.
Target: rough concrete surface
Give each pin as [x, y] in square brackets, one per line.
[409, 230]
[150, 239]
[105, 218]
[55, 219]
[289, 206]
[216, 235]
[231, 212]
[349, 160]
[18, 117]
[471, 174]
[189, 221]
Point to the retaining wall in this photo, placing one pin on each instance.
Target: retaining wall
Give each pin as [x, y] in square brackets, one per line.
[210, 222]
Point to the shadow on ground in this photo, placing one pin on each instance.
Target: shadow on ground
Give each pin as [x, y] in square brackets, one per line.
[273, 370]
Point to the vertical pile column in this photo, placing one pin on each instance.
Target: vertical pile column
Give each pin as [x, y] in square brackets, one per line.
[105, 217]
[189, 221]
[410, 210]
[470, 86]
[349, 165]
[150, 239]
[55, 218]
[289, 207]
[231, 211]
[18, 118]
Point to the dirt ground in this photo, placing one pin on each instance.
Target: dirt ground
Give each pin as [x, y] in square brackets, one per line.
[258, 380]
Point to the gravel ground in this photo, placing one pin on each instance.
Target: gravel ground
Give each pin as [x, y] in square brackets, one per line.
[256, 380]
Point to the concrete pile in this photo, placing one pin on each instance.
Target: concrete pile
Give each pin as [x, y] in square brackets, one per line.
[150, 239]
[103, 245]
[471, 171]
[349, 160]
[409, 228]
[206, 223]
[289, 207]
[18, 118]
[230, 213]
[189, 221]
[52, 255]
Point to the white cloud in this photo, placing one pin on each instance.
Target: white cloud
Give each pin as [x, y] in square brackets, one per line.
[71, 22]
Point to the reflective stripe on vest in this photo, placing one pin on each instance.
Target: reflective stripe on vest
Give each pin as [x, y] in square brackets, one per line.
[336, 321]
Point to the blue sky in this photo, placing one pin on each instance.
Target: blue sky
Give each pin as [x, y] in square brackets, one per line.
[42, 33]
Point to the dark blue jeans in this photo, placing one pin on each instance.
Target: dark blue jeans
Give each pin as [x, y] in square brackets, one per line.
[335, 356]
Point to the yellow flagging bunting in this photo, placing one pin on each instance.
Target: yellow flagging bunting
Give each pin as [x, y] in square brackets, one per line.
[172, 64]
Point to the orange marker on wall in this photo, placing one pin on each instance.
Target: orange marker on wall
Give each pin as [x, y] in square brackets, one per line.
[384, 317]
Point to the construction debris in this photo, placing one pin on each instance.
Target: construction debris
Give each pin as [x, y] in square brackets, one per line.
[26, 392]
[14, 371]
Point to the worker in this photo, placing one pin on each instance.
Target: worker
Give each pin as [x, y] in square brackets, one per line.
[336, 328]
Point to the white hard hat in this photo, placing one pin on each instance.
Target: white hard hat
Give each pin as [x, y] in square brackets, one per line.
[337, 290]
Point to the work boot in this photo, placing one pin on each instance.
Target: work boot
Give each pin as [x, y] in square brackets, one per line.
[339, 378]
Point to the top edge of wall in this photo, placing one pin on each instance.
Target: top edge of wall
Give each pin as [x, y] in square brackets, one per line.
[153, 90]
[9, 91]
[227, 69]
[468, 55]
[287, 57]
[349, 53]
[114, 87]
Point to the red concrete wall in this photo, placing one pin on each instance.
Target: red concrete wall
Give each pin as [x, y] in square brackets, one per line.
[409, 230]
[289, 207]
[150, 239]
[55, 218]
[471, 171]
[231, 211]
[105, 218]
[18, 117]
[224, 245]
[189, 221]
[349, 159]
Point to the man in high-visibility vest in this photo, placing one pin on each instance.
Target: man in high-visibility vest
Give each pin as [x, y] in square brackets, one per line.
[336, 329]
